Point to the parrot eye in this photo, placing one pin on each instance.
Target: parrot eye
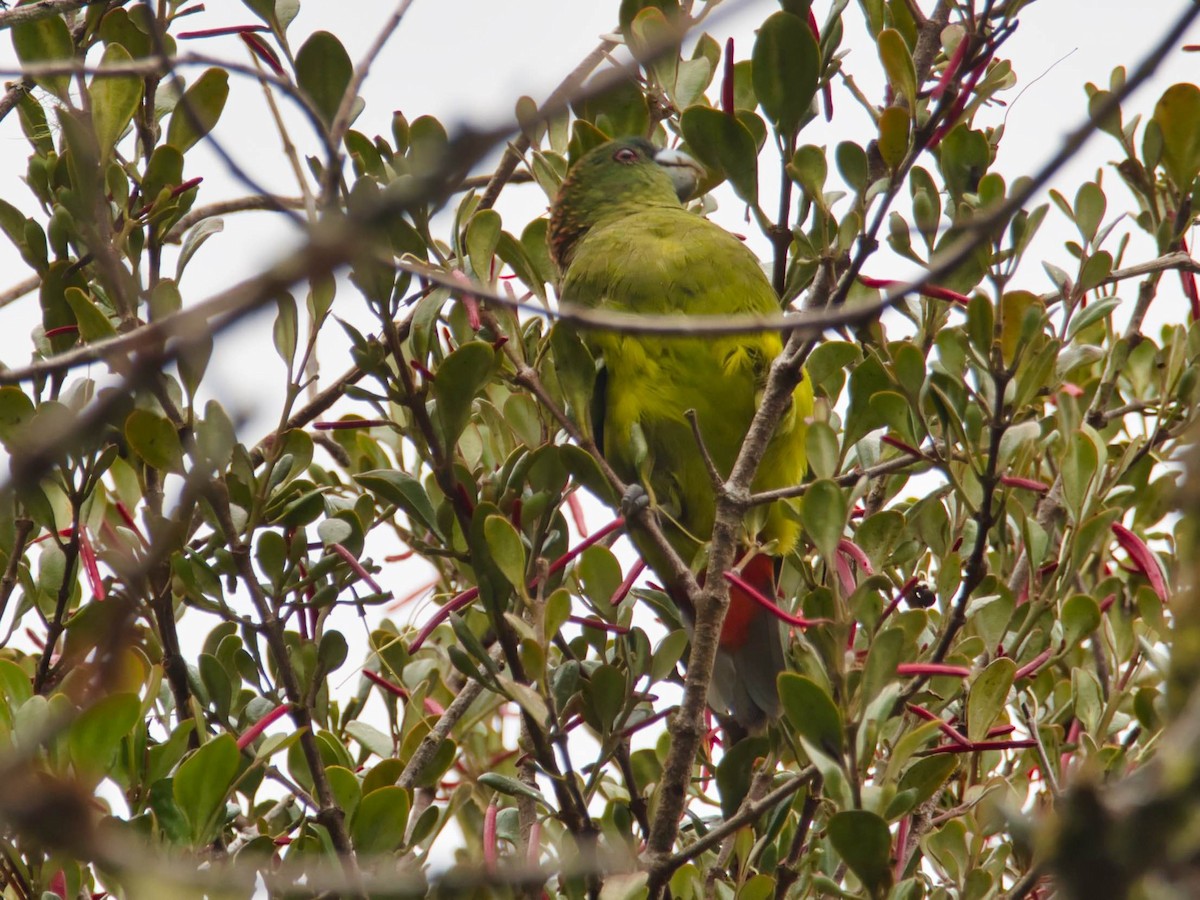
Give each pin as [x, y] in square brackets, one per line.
[625, 156]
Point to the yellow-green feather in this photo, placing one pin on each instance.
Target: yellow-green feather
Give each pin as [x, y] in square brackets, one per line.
[662, 260]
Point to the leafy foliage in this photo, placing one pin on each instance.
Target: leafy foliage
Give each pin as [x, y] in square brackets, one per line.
[986, 600]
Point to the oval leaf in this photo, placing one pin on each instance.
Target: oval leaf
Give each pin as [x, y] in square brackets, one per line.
[198, 109]
[989, 694]
[201, 784]
[380, 820]
[811, 711]
[46, 40]
[787, 65]
[114, 100]
[154, 439]
[862, 839]
[508, 552]
[724, 145]
[324, 70]
[1177, 114]
[823, 515]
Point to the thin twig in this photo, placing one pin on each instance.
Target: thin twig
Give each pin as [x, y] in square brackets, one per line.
[341, 119]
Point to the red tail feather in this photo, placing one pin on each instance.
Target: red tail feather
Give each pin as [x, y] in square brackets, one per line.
[759, 573]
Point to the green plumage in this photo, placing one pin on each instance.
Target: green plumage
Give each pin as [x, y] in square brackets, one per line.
[625, 243]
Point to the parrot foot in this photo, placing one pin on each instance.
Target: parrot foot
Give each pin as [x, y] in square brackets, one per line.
[634, 501]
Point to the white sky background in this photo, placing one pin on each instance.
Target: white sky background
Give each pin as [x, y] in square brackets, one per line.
[468, 61]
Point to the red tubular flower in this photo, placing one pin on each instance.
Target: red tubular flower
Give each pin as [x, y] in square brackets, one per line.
[932, 669]
[263, 51]
[220, 32]
[491, 850]
[577, 517]
[598, 624]
[250, 734]
[1027, 484]
[1143, 558]
[981, 746]
[356, 567]
[1032, 667]
[469, 301]
[826, 88]
[932, 291]
[951, 69]
[946, 728]
[1188, 280]
[855, 552]
[797, 621]
[901, 445]
[87, 554]
[626, 584]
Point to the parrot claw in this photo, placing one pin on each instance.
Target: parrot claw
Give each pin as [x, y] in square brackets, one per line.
[634, 501]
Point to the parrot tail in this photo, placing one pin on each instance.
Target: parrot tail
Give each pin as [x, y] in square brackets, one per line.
[750, 654]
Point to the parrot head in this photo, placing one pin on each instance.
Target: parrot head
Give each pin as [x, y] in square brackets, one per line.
[612, 180]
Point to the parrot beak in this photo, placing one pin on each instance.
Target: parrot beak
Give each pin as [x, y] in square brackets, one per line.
[685, 172]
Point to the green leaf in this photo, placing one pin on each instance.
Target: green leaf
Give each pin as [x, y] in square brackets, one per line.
[511, 787]
[93, 323]
[989, 694]
[507, 549]
[882, 659]
[15, 410]
[1177, 114]
[483, 235]
[370, 737]
[823, 451]
[653, 40]
[155, 440]
[202, 783]
[823, 514]
[347, 790]
[851, 162]
[1094, 312]
[735, 771]
[114, 100]
[1078, 469]
[56, 310]
[809, 169]
[286, 329]
[1094, 270]
[862, 839]
[894, 136]
[459, 378]
[965, 156]
[725, 146]
[324, 71]
[196, 235]
[1090, 205]
[46, 40]
[1088, 698]
[811, 711]
[96, 734]
[927, 775]
[404, 491]
[787, 66]
[606, 689]
[332, 651]
[205, 99]
[380, 820]
[1080, 617]
[878, 534]
[898, 63]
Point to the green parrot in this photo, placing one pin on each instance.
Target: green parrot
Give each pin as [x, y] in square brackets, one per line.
[623, 241]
